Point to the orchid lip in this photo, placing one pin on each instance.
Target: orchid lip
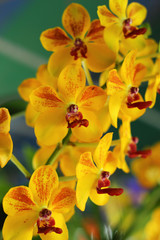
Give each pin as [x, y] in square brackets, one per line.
[104, 183]
[139, 105]
[133, 152]
[131, 31]
[75, 118]
[110, 191]
[79, 49]
[46, 223]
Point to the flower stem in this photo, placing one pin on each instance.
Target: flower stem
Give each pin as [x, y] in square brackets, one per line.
[88, 75]
[67, 178]
[79, 144]
[115, 142]
[59, 149]
[94, 144]
[20, 167]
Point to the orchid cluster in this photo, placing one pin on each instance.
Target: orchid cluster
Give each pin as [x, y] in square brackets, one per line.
[71, 116]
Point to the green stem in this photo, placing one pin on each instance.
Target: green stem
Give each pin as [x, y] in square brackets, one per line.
[94, 144]
[59, 149]
[88, 75]
[79, 144]
[20, 167]
[67, 178]
[115, 142]
[153, 55]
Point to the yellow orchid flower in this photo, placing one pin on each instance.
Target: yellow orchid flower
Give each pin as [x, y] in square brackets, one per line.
[122, 22]
[152, 228]
[153, 84]
[125, 99]
[73, 106]
[43, 77]
[128, 146]
[39, 207]
[6, 144]
[150, 176]
[93, 175]
[86, 44]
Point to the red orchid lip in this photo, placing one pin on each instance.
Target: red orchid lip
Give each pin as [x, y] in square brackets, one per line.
[45, 222]
[79, 47]
[139, 105]
[142, 154]
[75, 118]
[131, 31]
[110, 191]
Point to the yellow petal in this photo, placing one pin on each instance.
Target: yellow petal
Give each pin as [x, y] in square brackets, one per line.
[115, 103]
[137, 13]
[5, 120]
[100, 154]
[63, 200]
[27, 86]
[151, 92]
[106, 17]
[45, 98]
[112, 36]
[42, 155]
[60, 223]
[54, 38]
[59, 60]
[118, 7]
[111, 163]
[19, 226]
[31, 115]
[104, 118]
[121, 158]
[83, 189]
[76, 20]
[45, 77]
[98, 199]
[99, 57]
[127, 69]
[95, 32]
[18, 200]
[69, 214]
[43, 181]
[114, 83]
[6, 148]
[71, 82]
[139, 73]
[91, 133]
[85, 166]
[92, 98]
[87, 174]
[51, 127]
